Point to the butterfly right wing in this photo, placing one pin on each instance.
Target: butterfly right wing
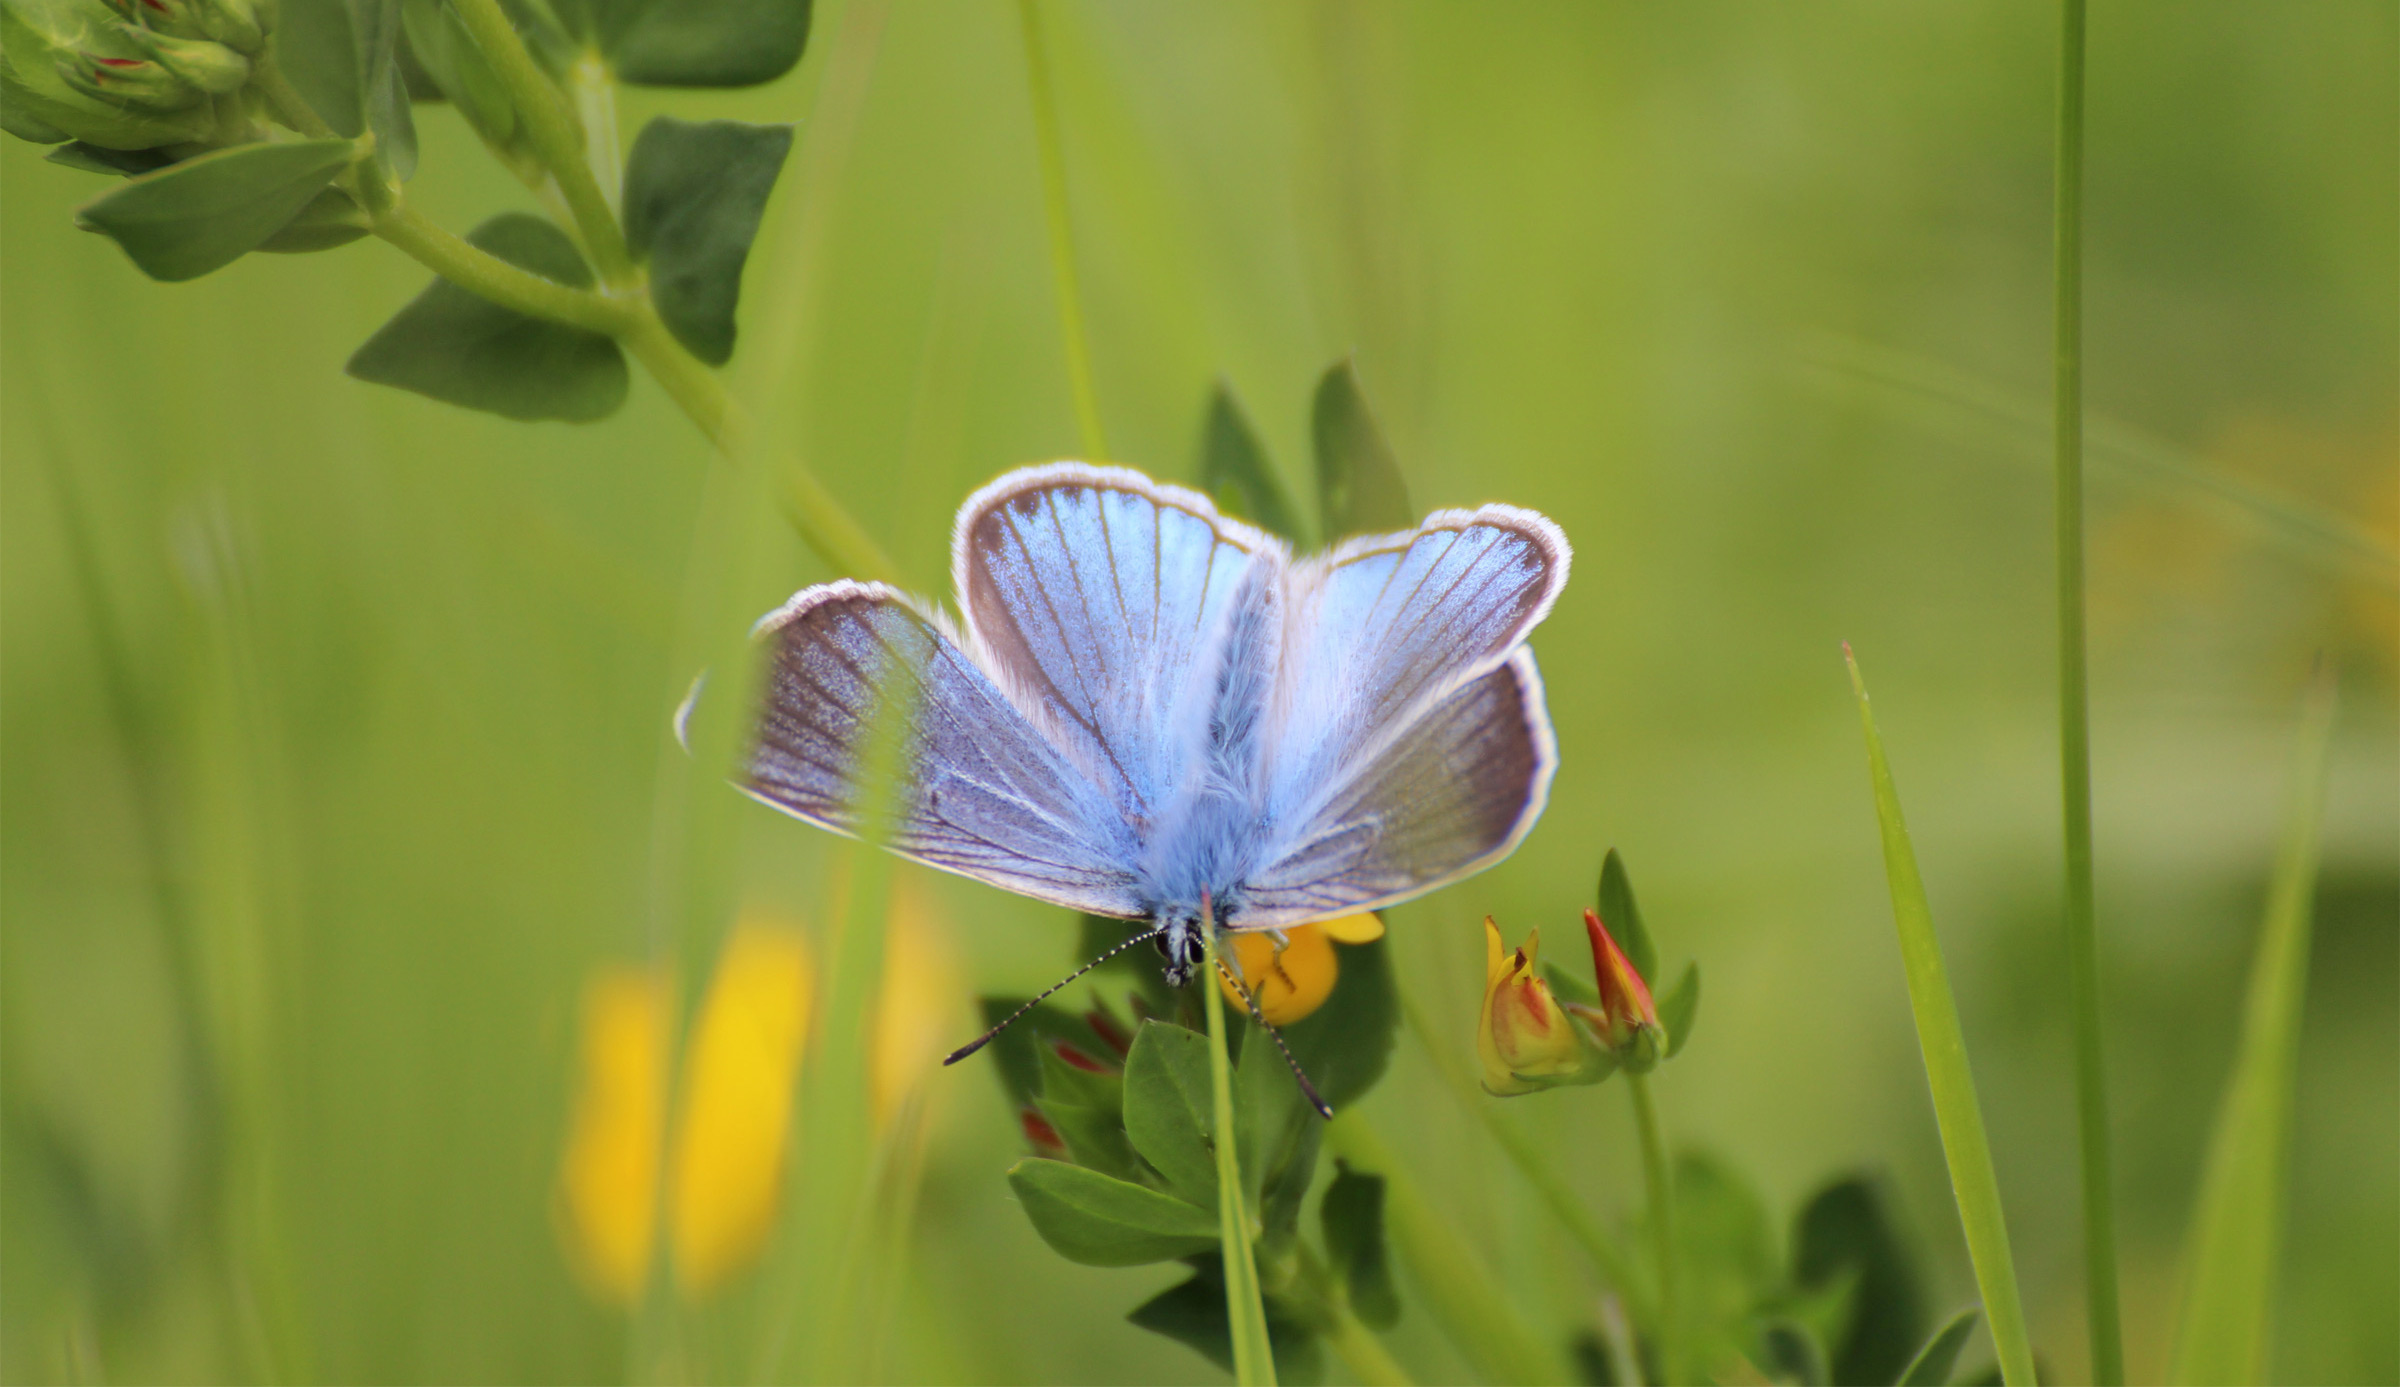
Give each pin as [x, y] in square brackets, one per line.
[981, 792]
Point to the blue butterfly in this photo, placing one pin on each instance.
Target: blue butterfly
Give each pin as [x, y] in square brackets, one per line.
[1154, 712]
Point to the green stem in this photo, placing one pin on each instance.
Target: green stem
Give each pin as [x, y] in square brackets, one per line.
[286, 100]
[1253, 1356]
[1062, 238]
[1973, 1183]
[1659, 1179]
[1370, 1362]
[481, 272]
[555, 133]
[1459, 1291]
[2074, 719]
[1565, 1205]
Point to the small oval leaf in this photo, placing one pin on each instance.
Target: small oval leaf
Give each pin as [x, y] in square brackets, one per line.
[694, 193]
[1101, 1221]
[1169, 1108]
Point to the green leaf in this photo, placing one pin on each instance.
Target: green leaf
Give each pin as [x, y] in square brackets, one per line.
[692, 43]
[466, 350]
[1931, 1367]
[1680, 1008]
[189, 218]
[94, 158]
[1193, 1314]
[1069, 1081]
[1102, 1221]
[2234, 1247]
[1623, 916]
[316, 48]
[1569, 988]
[1359, 489]
[1344, 1045]
[1168, 1108]
[694, 193]
[1793, 1354]
[1234, 469]
[1845, 1232]
[1352, 1212]
[330, 219]
[456, 65]
[1973, 1185]
[1725, 1245]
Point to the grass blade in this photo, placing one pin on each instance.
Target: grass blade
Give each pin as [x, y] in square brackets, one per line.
[1972, 1181]
[1253, 1355]
[2237, 1229]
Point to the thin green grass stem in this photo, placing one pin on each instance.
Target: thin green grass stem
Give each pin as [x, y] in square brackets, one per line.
[1573, 1216]
[2074, 720]
[1658, 1178]
[1062, 236]
[1246, 1313]
[1973, 1183]
[2235, 1245]
[1458, 1290]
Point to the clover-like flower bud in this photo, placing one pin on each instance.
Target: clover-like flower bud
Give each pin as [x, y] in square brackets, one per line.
[1526, 1039]
[1626, 1019]
[237, 24]
[74, 69]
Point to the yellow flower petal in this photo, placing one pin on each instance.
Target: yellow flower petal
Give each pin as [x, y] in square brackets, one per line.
[1290, 982]
[1363, 928]
[608, 1178]
[726, 1165]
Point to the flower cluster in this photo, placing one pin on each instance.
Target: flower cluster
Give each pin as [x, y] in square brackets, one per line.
[1530, 1039]
[127, 74]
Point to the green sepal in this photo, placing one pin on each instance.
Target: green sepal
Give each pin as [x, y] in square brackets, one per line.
[1169, 1112]
[1352, 1213]
[184, 220]
[460, 348]
[1192, 1313]
[1623, 916]
[1846, 1230]
[1931, 1367]
[341, 56]
[1065, 1082]
[1094, 1137]
[1234, 468]
[692, 43]
[1017, 1051]
[694, 194]
[1569, 988]
[1359, 487]
[1102, 1221]
[92, 158]
[1680, 1008]
[330, 219]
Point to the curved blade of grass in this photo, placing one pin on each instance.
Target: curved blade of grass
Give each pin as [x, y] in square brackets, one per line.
[1253, 1355]
[2237, 1229]
[1972, 1182]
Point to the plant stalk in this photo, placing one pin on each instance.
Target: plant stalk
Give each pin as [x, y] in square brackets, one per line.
[480, 272]
[556, 134]
[1062, 237]
[1246, 1314]
[2074, 719]
[1658, 1177]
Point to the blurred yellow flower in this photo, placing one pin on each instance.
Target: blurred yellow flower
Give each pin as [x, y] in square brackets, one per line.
[1294, 980]
[918, 1011]
[608, 1181]
[739, 1069]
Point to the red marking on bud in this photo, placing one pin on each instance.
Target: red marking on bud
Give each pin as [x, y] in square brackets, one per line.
[1105, 1026]
[1045, 1138]
[1078, 1058]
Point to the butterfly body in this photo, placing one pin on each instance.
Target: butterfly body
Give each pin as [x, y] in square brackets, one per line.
[1154, 712]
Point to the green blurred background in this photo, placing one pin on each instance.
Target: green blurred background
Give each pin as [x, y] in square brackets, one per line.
[1752, 298]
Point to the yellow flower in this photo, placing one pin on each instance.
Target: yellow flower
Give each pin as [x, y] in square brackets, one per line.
[739, 1069]
[1525, 1038]
[608, 1182]
[918, 1013]
[1294, 980]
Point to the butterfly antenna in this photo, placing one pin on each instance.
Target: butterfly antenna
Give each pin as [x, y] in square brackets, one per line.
[1299, 1075]
[986, 1038]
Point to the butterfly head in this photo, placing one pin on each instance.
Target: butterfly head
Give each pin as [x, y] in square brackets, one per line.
[1179, 941]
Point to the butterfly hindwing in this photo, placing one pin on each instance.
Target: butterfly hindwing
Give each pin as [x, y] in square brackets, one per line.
[1452, 793]
[981, 791]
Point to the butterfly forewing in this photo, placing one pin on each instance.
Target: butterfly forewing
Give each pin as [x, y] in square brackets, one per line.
[1449, 795]
[1092, 595]
[978, 790]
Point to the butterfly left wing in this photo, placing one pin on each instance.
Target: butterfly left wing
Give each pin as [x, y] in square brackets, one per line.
[980, 791]
[1450, 794]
